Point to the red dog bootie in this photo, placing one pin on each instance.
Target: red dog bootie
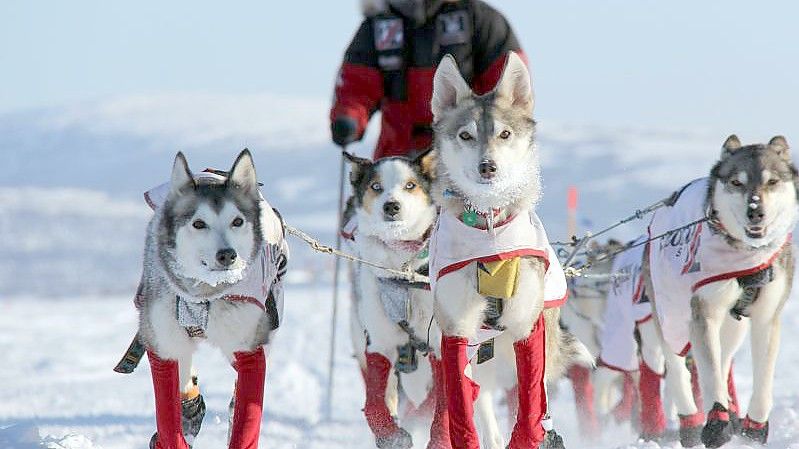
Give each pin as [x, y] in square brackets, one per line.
[166, 386]
[461, 393]
[530, 362]
[653, 418]
[755, 431]
[248, 399]
[386, 431]
[625, 409]
[439, 430]
[584, 400]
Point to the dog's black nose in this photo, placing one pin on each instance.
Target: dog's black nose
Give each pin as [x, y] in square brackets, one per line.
[488, 168]
[226, 257]
[755, 215]
[391, 208]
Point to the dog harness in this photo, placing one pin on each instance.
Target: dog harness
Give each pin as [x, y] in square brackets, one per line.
[455, 245]
[627, 305]
[687, 259]
[395, 295]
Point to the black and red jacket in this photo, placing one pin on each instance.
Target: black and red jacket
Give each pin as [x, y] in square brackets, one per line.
[390, 64]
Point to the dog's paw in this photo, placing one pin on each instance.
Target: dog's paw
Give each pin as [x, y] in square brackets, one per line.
[400, 439]
[193, 412]
[718, 429]
[754, 431]
[552, 441]
[691, 436]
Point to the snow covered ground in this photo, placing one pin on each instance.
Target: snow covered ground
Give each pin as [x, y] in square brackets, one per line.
[57, 380]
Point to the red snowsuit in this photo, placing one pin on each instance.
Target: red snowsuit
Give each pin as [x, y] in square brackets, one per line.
[389, 67]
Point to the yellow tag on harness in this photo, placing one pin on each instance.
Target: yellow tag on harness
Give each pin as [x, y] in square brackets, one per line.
[498, 279]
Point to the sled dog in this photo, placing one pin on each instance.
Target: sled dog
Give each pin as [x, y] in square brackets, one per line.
[214, 258]
[713, 279]
[629, 344]
[496, 281]
[583, 317]
[394, 214]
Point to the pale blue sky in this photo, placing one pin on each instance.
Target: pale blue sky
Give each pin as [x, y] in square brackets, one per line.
[729, 65]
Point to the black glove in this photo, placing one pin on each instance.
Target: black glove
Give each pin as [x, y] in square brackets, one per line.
[344, 130]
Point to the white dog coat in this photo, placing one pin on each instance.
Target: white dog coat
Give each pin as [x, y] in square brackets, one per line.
[454, 245]
[624, 310]
[261, 279]
[686, 260]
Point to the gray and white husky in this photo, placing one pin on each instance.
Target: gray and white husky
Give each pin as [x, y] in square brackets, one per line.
[392, 323]
[750, 200]
[213, 262]
[486, 182]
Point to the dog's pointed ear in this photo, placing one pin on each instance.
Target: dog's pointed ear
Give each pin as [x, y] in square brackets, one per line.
[358, 166]
[449, 87]
[780, 145]
[181, 179]
[426, 161]
[731, 145]
[515, 85]
[242, 174]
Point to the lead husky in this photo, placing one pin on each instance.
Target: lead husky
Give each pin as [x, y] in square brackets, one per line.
[733, 270]
[490, 260]
[213, 262]
[395, 329]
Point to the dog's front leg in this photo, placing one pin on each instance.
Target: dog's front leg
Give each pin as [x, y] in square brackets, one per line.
[733, 333]
[387, 433]
[439, 429]
[169, 350]
[248, 399]
[530, 363]
[705, 328]
[766, 330]
[765, 346]
[653, 419]
[459, 311]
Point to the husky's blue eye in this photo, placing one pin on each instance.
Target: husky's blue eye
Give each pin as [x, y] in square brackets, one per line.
[410, 185]
[465, 136]
[199, 224]
[237, 222]
[376, 186]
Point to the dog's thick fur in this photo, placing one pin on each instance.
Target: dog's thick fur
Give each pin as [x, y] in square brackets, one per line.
[199, 218]
[180, 260]
[393, 238]
[743, 171]
[467, 130]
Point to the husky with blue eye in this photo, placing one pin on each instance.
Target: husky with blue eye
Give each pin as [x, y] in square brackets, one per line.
[392, 321]
[214, 259]
[727, 266]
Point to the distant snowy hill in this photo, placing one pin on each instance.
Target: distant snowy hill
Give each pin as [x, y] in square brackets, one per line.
[73, 220]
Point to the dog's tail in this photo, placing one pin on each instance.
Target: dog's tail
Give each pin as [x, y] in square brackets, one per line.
[562, 348]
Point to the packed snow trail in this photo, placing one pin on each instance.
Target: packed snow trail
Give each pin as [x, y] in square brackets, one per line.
[57, 380]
